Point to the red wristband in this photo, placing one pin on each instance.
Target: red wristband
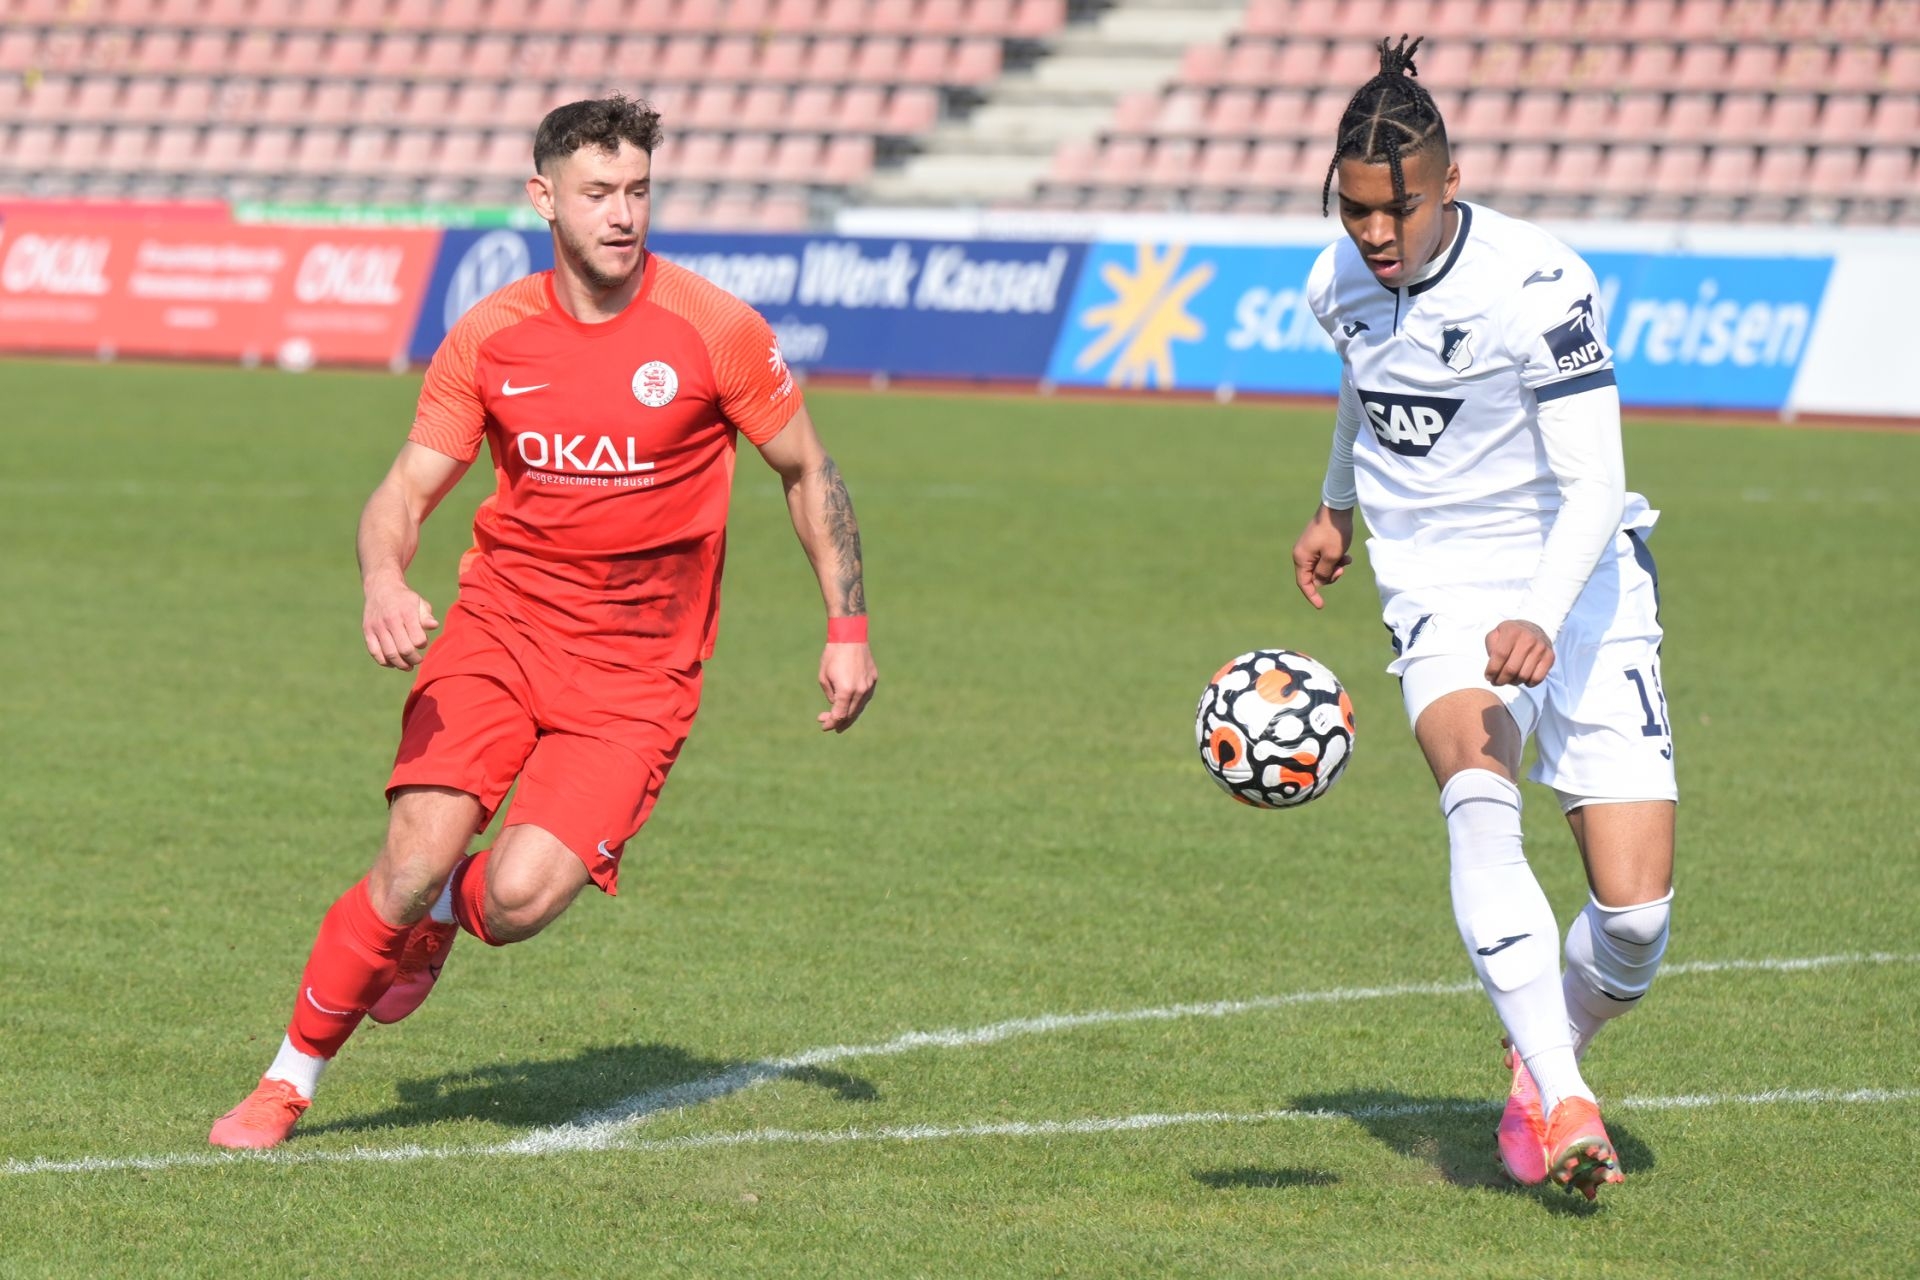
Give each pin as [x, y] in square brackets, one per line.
[847, 630]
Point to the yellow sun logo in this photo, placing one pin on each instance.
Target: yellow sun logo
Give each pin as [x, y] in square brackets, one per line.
[1147, 316]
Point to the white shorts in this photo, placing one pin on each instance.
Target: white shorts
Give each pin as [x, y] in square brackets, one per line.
[1600, 715]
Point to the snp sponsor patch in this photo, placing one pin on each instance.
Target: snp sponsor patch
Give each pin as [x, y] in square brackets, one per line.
[1409, 425]
[1575, 341]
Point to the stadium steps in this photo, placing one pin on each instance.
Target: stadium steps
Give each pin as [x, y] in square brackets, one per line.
[1002, 150]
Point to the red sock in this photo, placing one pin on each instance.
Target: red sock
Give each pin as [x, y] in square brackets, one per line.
[351, 965]
[470, 897]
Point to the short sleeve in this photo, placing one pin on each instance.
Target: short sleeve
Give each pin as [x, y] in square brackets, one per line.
[756, 388]
[1320, 287]
[1558, 330]
[450, 417]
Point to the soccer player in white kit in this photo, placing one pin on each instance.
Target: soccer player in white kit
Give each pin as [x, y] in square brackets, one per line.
[1479, 434]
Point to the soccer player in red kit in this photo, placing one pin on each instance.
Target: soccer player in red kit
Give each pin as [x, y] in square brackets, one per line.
[609, 392]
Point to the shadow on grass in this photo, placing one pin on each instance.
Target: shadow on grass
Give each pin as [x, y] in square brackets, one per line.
[611, 1083]
[1230, 1179]
[1455, 1136]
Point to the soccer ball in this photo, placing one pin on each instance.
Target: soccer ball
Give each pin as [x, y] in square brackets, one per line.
[1275, 728]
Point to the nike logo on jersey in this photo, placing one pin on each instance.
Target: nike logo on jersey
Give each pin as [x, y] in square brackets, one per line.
[1545, 277]
[508, 389]
[1408, 425]
[1501, 945]
[605, 852]
[1355, 327]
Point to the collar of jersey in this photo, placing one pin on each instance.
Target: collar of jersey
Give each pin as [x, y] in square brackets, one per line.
[605, 326]
[1453, 251]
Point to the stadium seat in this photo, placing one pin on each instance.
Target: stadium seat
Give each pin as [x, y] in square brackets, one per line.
[975, 62]
[878, 60]
[1075, 163]
[748, 157]
[1223, 164]
[783, 59]
[1782, 171]
[284, 102]
[1741, 118]
[911, 110]
[1834, 171]
[1843, 120]
[860, 109]
[1689, 119]
[317, 151]
[1895, 121]
[1172, 163]
[848, 161]
[1728, 172]
[1575, 170]
[176, 149]
[1790, 117]
[1888, 174]
[795, 159]
[1537, 116]
[1901, 74]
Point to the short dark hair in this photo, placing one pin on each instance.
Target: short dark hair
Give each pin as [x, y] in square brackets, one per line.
[1390, 116]
[603, 123]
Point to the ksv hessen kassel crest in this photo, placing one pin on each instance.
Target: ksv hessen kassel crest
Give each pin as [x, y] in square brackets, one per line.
[655, 384]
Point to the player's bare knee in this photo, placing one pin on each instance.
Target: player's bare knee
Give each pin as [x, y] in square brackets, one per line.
[517, 917]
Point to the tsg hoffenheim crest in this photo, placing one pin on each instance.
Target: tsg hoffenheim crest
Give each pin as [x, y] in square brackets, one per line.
[1456, 348]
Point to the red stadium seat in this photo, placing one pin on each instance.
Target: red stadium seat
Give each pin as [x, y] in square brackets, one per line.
[1574, 170]
[1782, 171]
[784, 59]
[1888, 174]
[1901, 74]
[1036, 19]
[1284, 113]
[1445, 66]
[1173, 163]
[491, 57]
[1181, 112]
[128, 149]
[830, 60]
[475, 104]
[1075, 163]
[748, 157]
[333, 102]
[711, 106]
[1754, 67]
[192, 100]
[764, 106]
[847, 161]
[412, 153]
[796, 158]
[695, 157]
[1729, 171]
[458, 155]
[812, 107]
[1486, 117]
[1690, 118]
[523, 105]
[1233, 113]
[1203, 64]
[1540, 116]
[975, 62]
[1651, 67]
[860, 108]
[750, 16]
[1807, 66]
[366, 152]
[1223, 164]
[144, 100]
[912, 109]
[893, 17]
[507, 154]
[176, 149]
[285, 102]
[1835, 171]
[781, 211]
[1895, 121]
[1843, 120]
[1790, 117]
[878, 60]
[1741, 118]
[942, 18]
[318, 151]
[1676, 171]
[1122, 162]
[729, 58]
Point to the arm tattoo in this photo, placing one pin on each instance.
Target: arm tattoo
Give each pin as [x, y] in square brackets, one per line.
[843, 530]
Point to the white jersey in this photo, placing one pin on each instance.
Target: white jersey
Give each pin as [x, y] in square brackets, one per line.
[1452, 476]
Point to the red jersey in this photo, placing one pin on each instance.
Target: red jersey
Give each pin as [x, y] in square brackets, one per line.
[613, 450]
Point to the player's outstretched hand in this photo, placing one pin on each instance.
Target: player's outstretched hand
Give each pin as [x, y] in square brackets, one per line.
[847, 677]
[1518, 653]
[1320, 556]
[395, 625]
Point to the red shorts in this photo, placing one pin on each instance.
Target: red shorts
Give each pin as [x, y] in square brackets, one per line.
[589, 744]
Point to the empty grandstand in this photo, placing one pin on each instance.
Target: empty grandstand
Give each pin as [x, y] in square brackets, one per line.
[782, 111]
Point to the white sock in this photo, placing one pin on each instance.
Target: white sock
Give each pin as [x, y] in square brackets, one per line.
[1613, 954]
[442, 909]
[1509, 929]
[301, 1070]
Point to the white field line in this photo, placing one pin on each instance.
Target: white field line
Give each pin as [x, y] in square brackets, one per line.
[604, 1128]
[925, 1133]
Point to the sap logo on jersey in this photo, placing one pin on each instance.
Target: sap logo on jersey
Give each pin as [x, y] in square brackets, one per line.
[1409, 425]
[1573, 342]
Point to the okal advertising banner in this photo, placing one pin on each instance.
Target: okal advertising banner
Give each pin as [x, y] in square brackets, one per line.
[294, 296]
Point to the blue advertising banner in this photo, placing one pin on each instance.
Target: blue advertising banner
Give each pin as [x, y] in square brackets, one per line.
[1195, 317]
[1709, 332]
[911, 308]
[1687, 330]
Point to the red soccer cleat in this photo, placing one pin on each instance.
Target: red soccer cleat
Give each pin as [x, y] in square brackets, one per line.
[1582, 1156]
[264, 1119]
[1523, 1127]
[420, 964]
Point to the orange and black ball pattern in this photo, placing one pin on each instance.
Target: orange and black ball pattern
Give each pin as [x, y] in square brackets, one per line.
[1275, 728]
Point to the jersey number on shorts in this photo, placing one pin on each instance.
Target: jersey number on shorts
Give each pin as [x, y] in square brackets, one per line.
[1656, 725]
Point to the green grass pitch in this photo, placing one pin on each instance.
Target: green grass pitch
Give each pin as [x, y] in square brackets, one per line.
[196, 742]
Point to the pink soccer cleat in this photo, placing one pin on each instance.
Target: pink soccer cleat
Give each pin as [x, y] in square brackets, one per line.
[1581, 1156]
[1523, 1127]
[264, 1119]
[420, 964]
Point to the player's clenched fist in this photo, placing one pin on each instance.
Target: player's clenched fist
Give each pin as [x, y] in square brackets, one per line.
[395, 625]
[1320, 556]
[847, 677]
[1518, 653]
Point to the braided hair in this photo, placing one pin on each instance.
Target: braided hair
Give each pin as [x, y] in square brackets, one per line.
[1390, 116]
